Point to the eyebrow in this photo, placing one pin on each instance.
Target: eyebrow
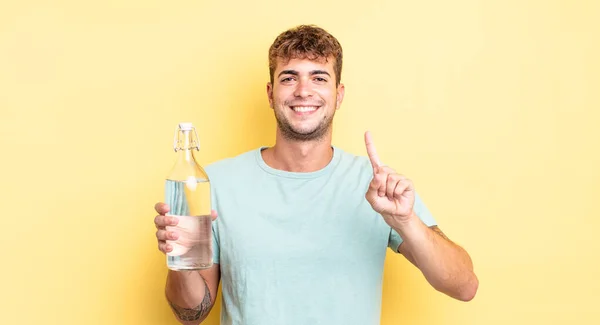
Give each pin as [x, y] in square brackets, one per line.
[312, 73]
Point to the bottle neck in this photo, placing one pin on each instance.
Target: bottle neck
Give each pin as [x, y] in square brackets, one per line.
[185, 155]
[186, 144]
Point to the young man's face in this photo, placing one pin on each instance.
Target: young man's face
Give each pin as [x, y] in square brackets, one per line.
[304, 97]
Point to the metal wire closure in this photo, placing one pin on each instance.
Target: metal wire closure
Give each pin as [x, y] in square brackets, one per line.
[177, 145]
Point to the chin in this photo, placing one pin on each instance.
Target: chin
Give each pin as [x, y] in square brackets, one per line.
[307, 134]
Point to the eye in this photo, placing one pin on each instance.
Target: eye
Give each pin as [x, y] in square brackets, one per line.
[287, 79]
[320, 79]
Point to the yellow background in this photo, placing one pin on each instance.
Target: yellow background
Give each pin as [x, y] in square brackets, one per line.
[490, 107]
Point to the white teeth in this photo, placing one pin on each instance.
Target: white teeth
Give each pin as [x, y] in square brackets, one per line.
[303, 109]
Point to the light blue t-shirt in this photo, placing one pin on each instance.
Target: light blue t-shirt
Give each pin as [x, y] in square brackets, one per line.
[299, 248]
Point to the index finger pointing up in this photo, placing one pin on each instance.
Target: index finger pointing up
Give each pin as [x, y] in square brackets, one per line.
[371, 151]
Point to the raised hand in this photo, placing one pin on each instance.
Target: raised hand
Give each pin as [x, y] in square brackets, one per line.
[390, 194]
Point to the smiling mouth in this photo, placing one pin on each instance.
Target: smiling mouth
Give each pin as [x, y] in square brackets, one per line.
[304, 109]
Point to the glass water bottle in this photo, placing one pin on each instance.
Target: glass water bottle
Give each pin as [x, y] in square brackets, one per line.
[187, 192]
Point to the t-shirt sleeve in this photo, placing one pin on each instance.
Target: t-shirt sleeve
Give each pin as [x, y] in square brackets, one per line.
[421, 210]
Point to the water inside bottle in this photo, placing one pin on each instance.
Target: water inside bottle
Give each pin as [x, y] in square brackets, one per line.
[189, 201]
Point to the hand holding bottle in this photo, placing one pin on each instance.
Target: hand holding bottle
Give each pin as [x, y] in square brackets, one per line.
[176, 237]
[161, 221]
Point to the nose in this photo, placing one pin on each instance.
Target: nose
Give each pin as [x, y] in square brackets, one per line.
[303, 88]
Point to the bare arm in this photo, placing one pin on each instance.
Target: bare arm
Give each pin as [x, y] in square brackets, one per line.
[192, 294]
[445, 265]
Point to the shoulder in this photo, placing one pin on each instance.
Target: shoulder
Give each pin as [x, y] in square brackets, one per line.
[353, 166]
[240, 162]
[354, 161]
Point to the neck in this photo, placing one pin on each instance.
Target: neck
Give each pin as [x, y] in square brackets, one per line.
[299, 156]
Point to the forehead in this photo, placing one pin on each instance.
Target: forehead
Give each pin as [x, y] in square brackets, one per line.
[301, 65]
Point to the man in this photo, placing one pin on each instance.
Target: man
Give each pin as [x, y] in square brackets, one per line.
[303, 226]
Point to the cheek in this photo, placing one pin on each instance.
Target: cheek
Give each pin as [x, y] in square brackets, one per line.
[328, 95]
[279, 96]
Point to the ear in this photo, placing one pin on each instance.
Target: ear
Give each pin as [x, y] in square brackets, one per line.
[270, 94]
[341, 89]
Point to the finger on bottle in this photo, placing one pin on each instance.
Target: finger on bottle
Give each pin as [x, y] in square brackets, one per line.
[161, 208]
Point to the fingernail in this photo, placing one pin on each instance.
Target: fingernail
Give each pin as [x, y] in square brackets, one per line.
[174, 235]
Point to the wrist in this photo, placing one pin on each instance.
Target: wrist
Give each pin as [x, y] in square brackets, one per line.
[402, 221]
[408, 226]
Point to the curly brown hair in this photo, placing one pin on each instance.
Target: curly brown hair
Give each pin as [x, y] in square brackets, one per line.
[306, 42]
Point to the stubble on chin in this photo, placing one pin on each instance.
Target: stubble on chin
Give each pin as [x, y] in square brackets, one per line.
[288, 132]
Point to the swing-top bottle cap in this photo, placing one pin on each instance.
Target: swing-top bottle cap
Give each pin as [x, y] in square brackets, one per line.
[188, 131]
[186, 126]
